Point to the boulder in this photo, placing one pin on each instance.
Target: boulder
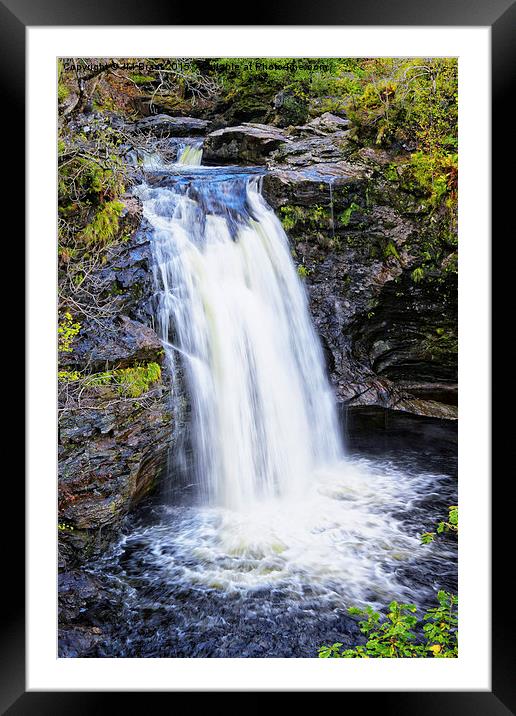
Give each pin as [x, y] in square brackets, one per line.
[306, 185]
[163, 125]
[327, 123]
[247, 144]
[120, 343]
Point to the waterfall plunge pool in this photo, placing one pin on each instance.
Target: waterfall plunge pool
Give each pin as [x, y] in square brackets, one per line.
[193, 581]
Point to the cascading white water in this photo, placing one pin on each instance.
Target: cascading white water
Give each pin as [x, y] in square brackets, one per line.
[232, 305]
[187, 152]
[190, 154]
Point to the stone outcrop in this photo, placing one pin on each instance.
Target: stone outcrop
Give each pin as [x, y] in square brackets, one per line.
[112, 446]
[163, 125]
[122, 344]
[111, 453]
[357, 237]
[245, 144]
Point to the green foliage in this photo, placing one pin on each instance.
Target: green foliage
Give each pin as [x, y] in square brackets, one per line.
[391, 172]
[452, 525]
[417, 274]
[67, 329]
[85, 178]
[391, 250]
[398, 635]
[313, 217]
[434, 174]
[449, 525]
[302, 271]
[68, 376]
[91, 179]
[290, 215]
[65, 527]
[129, 382]
[413, 102]
[300, 75]
[346, 215]
[104, 226]
[133, 382]
[142, 79]
[441, 627]
[62, 92]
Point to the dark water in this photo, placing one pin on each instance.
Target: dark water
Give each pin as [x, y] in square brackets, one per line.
[187, 581]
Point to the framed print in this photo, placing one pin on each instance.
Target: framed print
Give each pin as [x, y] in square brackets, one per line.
[258, 291]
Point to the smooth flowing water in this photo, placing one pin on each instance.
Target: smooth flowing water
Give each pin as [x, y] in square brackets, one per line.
[231, 305]
[281, 531]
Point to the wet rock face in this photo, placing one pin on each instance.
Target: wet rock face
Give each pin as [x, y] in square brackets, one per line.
[82, 604]
[245, 144]
[387, 339]
[163, 125]
[123, 343]
[110, 456]
[112, 446]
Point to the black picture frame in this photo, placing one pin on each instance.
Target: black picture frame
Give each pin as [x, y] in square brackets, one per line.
[500, 15]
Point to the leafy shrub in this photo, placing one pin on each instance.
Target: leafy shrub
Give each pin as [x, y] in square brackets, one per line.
[396, 635]
[66, 332]
[449, 525]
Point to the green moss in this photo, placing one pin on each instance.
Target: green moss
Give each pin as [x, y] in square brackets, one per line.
[346, 215]
[417, 274]
[136, 381]
[290, 216]
[104, 226]
[68, 376]
[391, 172]
[390, 250]
[313, 217]
[62, 92]
[130, 382]
[142, 79]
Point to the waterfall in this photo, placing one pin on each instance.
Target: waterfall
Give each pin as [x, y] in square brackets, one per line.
[232, 306]
[187, 152]
[190, 154]
[285, 531]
